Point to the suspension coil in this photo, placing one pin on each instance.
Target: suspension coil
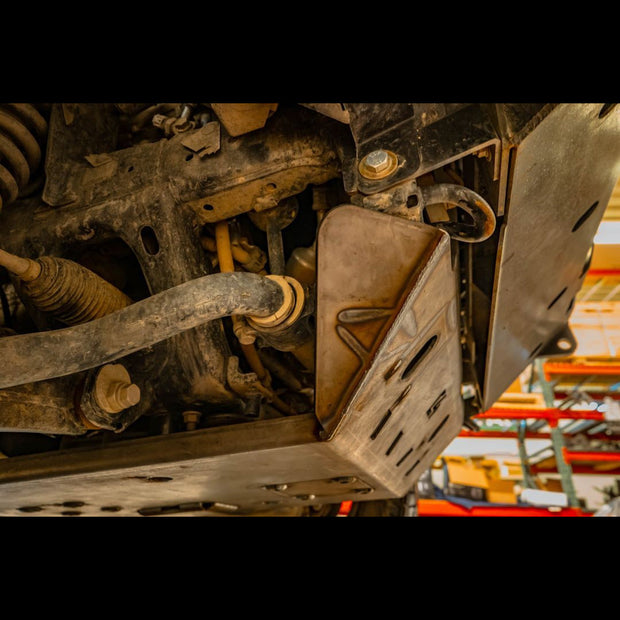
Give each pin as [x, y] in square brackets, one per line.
[23, 131]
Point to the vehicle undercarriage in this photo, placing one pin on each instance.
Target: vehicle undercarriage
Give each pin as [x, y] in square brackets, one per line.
[245, 309]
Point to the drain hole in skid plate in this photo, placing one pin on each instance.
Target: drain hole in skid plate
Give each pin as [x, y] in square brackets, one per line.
[586, 215]
[418, 357]
[441, 424]
[404, 457]
[381, 424]
[412, 467]
[393, 444]
[433, 408]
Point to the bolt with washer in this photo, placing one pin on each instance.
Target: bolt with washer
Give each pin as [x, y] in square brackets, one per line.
[378, 164]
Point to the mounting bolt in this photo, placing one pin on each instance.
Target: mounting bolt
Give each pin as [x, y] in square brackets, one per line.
[378, 164]
[191, 419]
[114, 390]
[377, 161]
[485, 153]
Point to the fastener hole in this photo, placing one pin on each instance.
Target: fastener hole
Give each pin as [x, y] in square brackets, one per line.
[111, 508]
[381, 424]
[555, 299]
[70, 513]
[207, 207]
[270, 187]
[73, 504]
[564, 344]
[149, 240]
[582, 220]
[129, 168]
[189, 157]
[412, 201]
[419, 356]
[158, 479]
[606, 109]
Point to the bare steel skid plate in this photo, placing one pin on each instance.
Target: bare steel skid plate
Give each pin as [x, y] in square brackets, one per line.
[388, 400]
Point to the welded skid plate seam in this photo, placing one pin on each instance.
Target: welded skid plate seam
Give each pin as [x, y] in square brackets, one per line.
[414, 288]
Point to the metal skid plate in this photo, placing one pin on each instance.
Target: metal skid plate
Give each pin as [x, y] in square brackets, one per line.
[388, 369]
[389, 401]
[558, 198]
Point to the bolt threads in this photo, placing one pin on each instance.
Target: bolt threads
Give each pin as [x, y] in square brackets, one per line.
[71, 293]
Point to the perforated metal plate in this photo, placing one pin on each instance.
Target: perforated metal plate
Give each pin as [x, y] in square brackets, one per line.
[565, 170]
[388, 356]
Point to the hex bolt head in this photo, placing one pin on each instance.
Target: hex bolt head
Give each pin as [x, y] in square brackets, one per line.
[377, 161]
[378, 164]
[127, 395]
[114, 390]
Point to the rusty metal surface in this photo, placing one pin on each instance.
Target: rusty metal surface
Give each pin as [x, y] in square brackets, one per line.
[556, 202]
[240, 118]
[402, 307]
[424, 136]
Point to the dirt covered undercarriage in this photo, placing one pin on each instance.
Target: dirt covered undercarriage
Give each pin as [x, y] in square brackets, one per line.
[274, 308]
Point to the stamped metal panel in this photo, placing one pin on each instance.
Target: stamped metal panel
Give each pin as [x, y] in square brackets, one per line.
[564, 172]
[393, 398]
[252, 467]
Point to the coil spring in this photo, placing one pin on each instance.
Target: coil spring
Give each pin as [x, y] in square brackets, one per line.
[22, 133]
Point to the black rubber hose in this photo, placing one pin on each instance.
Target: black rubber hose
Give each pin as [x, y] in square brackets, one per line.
[45, 355]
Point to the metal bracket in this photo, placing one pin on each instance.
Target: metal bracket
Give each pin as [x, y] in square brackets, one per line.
[562, 344]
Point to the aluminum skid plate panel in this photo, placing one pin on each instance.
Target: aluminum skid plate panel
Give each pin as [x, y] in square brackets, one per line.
[388, 358]
[557, 202]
